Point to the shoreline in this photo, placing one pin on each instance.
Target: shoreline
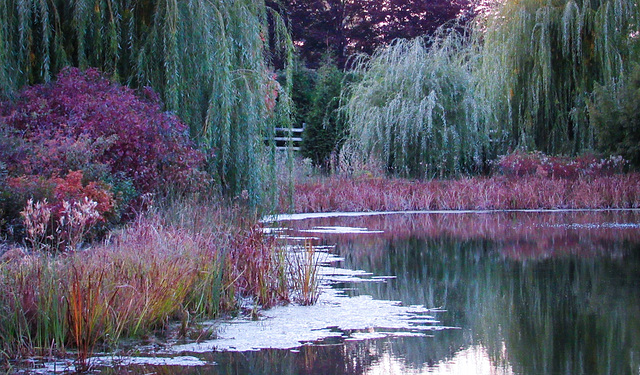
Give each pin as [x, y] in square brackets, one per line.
[319, 215]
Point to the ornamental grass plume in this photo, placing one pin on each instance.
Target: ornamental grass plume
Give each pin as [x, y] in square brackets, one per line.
[76, 220]
[36, 221]
[66, 233]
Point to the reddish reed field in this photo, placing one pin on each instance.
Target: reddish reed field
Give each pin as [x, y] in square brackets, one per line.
[478, 193]
[519, 180]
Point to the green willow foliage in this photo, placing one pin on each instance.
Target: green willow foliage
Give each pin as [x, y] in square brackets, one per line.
[415, 107]
[615, 114]
[542, 60]
[524, 78]
[208, 59]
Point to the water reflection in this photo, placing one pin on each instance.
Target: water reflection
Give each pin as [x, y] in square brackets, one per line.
[532, 293]
[539, 293]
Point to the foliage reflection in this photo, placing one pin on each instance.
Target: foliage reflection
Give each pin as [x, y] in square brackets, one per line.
[544, 292]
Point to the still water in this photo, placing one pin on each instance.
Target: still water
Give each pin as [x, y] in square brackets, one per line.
[449, 293]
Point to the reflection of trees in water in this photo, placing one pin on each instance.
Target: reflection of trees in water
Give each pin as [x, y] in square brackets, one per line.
[525, 234]
[573, 310]
[544, 314]
[574, 316]
[336, 356]
[349, 358]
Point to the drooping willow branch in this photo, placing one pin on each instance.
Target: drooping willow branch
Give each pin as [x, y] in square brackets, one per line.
[208, 60]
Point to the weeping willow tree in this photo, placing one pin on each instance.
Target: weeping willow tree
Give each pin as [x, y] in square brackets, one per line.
[208, 59]
[542, 60]
[415, 107]
[526, 79]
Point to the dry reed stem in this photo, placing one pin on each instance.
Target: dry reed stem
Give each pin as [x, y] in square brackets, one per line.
[150, 273]
[480, 193]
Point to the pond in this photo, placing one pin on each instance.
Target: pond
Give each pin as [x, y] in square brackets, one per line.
[520, 292]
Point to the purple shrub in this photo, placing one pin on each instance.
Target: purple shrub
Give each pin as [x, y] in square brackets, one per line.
[84, 114]
[84, 122]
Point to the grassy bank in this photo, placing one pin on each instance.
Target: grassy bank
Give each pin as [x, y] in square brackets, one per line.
[184, 262]
[478, 193]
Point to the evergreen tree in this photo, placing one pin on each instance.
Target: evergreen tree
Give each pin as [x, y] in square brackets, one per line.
[615, 114]
[325, 127]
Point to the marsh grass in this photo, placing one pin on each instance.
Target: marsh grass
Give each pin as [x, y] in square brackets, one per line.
[479, 193]
[303, 263]
[33, 308]
[85, 315]
[185, 261]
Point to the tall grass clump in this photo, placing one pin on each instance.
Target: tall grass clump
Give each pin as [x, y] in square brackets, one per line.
[304, 275]
[185, 261]
[208, 60]
[32, 307]
[415, 107]
[541, 61]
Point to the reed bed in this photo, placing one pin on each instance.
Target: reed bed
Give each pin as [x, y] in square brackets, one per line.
[181, 262]
[478, 193]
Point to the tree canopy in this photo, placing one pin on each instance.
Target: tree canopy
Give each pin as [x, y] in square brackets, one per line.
[533, 75]
[345, 27]
[541, 61]
[206, 59]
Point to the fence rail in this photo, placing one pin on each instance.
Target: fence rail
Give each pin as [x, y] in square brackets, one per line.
[284, 136]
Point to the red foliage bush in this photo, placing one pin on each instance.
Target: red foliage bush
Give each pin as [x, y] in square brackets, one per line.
[114, 139]
[84, 121]
[72, 189]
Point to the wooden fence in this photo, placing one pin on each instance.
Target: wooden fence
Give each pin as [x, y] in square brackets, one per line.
[286, 135]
